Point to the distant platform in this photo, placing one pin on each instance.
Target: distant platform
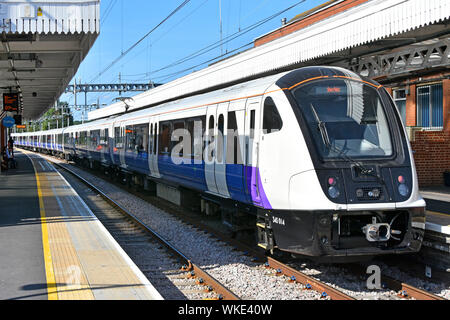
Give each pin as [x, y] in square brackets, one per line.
[53, 247]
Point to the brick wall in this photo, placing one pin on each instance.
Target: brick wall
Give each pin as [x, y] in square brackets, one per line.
[432, 156]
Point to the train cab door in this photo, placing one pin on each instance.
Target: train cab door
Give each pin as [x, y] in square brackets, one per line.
[153, 147]
[209, 151]
[251, 162]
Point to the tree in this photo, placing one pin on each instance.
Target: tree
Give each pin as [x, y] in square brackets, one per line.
[55, 118]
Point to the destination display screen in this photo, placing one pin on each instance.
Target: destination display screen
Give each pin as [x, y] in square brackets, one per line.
[11, 102]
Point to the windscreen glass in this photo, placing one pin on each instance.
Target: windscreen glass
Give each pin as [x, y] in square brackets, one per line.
[346, 118]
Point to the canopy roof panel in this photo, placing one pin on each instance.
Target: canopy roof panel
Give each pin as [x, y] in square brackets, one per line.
[43, 44]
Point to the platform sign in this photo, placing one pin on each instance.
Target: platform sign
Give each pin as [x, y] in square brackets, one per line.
[21, 126]
[11, 102]
[8, 122]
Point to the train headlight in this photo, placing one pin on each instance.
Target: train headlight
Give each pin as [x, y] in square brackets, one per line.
[333, 190]
[402, 187]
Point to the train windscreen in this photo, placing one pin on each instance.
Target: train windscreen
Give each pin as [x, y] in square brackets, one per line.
[345, 118]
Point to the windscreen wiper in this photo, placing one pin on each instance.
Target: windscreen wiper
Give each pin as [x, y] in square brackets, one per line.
[326, 139]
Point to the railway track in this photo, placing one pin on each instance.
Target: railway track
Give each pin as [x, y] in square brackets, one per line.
[137, 238]
[402, 290]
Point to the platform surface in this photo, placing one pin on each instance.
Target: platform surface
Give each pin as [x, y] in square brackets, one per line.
[53, 247]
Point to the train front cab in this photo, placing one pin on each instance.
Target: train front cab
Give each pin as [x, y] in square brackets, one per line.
[355, 192]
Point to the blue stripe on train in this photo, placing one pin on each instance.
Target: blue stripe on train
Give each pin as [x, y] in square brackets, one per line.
[244, 183]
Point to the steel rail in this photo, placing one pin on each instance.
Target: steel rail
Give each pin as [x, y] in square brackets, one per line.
[195, 270]
[314, 284]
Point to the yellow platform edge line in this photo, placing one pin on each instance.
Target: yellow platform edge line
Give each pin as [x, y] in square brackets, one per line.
[52, 292]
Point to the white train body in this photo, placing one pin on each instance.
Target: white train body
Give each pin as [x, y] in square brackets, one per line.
[318, 156]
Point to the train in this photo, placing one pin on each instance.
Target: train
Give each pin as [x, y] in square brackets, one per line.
[316, 160]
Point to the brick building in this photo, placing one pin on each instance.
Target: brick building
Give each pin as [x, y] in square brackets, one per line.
[414, 69]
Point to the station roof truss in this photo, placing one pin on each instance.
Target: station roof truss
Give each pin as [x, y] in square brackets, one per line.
[43, 44]
[427, 55]
[110, 87]
[369, 27]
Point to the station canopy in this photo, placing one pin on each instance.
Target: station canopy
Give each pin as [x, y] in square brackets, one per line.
[43, 44]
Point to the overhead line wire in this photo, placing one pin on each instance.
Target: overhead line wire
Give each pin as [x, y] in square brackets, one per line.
[140, 40]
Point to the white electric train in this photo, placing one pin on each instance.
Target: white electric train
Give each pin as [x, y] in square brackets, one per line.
[316, 159]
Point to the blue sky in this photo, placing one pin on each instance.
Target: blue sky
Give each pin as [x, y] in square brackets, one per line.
[194, 27]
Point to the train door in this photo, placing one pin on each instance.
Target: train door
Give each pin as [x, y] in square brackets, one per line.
[153, 147]
[220, 167]
[252, 136]
[209, 152]
[235, 149]
[110, 142]
[122, 151]
[103, 145]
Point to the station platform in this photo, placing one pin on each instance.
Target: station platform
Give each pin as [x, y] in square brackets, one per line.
[53, 247]
[438, 208]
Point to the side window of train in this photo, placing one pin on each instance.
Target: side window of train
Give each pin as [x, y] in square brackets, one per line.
[141, 137]
[151, 147]
[155, 137]
[130, 138]
[210, 135]
[164, 138]
[106, 139]
[271, 120]
[178, 128]
[232, 139]
[95, 137]
[117, 138]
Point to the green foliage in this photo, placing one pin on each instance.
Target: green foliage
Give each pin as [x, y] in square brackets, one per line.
[53, 118]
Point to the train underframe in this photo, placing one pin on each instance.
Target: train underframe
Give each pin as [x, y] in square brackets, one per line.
[332, 234]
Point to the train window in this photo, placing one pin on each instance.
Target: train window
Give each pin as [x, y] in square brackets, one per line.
[271, 120]
[164, 138]
[60, 139]
[195, 127]
[95, 138]
[151, 146]
[345, 117]
[232, 139]
[178, 137]
[130, 136]
[118, 140]
[252, 123]
[83, 139]
[221, 138]
[190, 126]
[104, 139]
[141, 134]
[155, 138]
[211, 136]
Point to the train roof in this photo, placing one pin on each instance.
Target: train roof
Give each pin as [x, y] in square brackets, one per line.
[241, 90]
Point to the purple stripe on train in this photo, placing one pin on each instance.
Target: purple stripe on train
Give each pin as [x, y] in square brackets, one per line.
[255, 188]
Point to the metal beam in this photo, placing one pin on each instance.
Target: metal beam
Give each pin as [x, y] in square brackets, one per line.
[409, 59]
[111, 87]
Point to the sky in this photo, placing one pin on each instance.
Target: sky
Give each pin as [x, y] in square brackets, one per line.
[195, 26]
